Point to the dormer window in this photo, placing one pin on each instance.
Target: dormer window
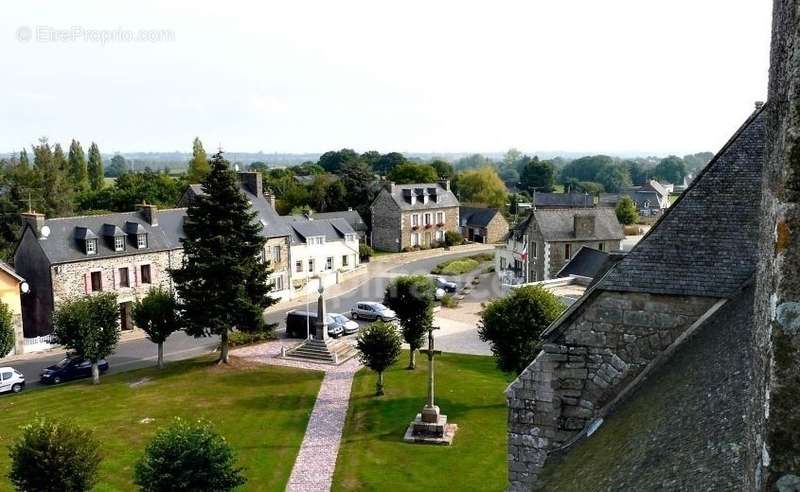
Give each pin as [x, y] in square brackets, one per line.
[119, 243]
[141, 241]
[91, 246]
[315, 240]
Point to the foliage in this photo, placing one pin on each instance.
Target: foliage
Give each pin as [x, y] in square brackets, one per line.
[198, 167]
[6, 330]
[449, 301]
[512, 325]
[378, 348]
[23, 159]
[157, 315]
[412, 298]
[78, 172]
[639, 175]
[671, 169]
[483, 186]
[626, 211]
[51, 180]
[239, 338]
[117, 167]
[458, 266]
[188, 456]
[453, 238]
[223, 283]
[695, 162]
[538, 175]
[444, 170]
[54, 456]
[388, 162]
[409, 172]
[131, 189]
[614, 178]
[473, 161]
[88, 327]
[95, 168]
[585, 169]
[334, 160]
[327, 193]
[365, 252]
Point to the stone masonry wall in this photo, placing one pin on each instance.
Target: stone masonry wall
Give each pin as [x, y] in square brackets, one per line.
[497, 229]
[604, 344]
[385, 223]
[450, 224]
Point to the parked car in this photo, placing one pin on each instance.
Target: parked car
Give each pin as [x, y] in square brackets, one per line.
[372, 311]
[440, 293]
[70, 368]
[448, 286]
[299, 322]
[349, 326]
[11, 380]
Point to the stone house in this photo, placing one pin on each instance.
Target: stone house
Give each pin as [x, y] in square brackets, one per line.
[11, 284]
[482, 225]
[538, 247]
[644, 383]
[651, 199]
[413, 215]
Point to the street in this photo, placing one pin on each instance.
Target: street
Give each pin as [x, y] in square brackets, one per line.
[134, 354]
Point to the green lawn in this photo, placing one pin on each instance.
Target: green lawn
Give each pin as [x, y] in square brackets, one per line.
[261, 410]
[459, 266]
[470, 391]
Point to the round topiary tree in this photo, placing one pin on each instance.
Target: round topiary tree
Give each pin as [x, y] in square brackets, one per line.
[188, 456]
[157, 315]
[512, 325]
[6, 330]
[412, 298]
[54, 456]
[379, 347]
[626, 211]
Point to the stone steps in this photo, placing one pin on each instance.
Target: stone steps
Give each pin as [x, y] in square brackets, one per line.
[332, 352]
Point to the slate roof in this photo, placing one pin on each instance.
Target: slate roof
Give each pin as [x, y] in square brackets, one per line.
[476, 216]
[705, 244]
[640, 197]
[682, 430]
[564, 200]
[445, 198]
[301, 228]
[558, 224]
[587, 262]
[350, 216]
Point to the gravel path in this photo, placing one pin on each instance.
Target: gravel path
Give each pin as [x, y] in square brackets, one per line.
[313, 468]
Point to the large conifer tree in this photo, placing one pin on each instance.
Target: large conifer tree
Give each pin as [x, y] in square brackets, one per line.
[24, 162]
[95, 168]
[198, 166]
[223, 283]
[52, 182]
[77, 166]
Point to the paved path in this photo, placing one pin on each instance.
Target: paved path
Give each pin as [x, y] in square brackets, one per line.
[313, 468]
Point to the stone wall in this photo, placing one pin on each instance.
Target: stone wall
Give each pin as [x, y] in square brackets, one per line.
[497, 229]
[557, 258]
[605, 343]
[385, 223]
[450, 224]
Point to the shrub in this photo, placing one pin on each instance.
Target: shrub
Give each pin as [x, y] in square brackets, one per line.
[54, 456]
[453, 238]
[460, 267]
[626, 211]
[365, 252]
[6, 330]
[188, 456]
[378, 348]
[449, 301]
[238, 338]
[412, 298]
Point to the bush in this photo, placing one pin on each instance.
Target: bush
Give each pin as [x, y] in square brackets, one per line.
[626, 211]
[6, 330]
[239, 338]
[365, 252]
[54, 456]
[188, 456]
[453, 238]
[456, 267]
[378, 348]
[449, 301]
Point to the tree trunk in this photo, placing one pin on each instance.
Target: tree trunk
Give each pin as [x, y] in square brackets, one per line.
[379, 385]
[412, 358]
[161, 355]
[95, 373]
[223, 348]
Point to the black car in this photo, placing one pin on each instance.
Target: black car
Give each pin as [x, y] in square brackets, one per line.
[70, 368]
[449, 287]
[299, 322]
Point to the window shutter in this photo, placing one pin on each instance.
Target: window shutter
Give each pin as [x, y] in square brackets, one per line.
[116, 278]
[87, 282]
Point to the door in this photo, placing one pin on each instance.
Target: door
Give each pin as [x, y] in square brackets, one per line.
[428, 238]
[125, 322]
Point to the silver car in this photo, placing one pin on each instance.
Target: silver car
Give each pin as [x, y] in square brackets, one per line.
[348, 326]
[372, 311]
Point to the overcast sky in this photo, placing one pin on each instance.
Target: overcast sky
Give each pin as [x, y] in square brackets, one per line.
[608, 76]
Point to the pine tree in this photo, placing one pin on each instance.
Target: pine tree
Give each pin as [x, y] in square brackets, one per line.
[23, 159]
[77, 167]
[52, 182]
[95, 168]
[59, 159]
[223, 283]
[198, 166]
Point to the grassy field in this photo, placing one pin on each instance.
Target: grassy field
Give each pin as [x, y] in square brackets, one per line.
[261, 410]
[470, 391]
[459, 266]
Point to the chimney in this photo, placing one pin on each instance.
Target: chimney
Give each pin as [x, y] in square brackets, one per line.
[583, 226]
[267, 193]
[149, 212]
[252, 182]
[444, 183]
[34, 220]
[390, 186]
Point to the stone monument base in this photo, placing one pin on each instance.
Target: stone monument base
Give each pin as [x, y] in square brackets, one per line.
[326, 351]
[430, 427]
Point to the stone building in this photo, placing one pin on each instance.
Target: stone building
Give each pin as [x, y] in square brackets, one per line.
[413, 215]
[651, 199]
[538, 247]
[11, 284]
[483, 225]
[646, 383]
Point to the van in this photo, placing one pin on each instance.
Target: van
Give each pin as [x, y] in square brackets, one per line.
[300, 323]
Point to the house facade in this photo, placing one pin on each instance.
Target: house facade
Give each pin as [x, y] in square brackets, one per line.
[11, 285]
[651, 199]
[413, 216]
[483, 225]
[538, 247]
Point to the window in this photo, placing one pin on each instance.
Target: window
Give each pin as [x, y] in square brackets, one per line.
[276, 253]
[311, 265]
[119, 243]
[6, 376]
[600, 246]
[533, 250]
[298, 266]
[97, 281]
[145, 276]
[91, 246]
[344, 260]
[502, 263]
[415, 220]
[277, 282]
[141, 241]
[567, 251]
[440, 217]
[415, 239]
[428, 219]
[440, 235]
[329, 263]
[124, 277]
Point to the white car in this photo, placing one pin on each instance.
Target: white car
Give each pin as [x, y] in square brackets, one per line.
[372, 311]
[348, 325]
[11, 380]
[440, 293]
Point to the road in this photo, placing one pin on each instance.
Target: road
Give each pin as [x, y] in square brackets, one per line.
[134, 354]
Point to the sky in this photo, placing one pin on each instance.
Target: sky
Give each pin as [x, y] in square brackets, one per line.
[613, 76]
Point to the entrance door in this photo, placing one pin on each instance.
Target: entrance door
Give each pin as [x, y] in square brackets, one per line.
[427, 238]
[125, 322]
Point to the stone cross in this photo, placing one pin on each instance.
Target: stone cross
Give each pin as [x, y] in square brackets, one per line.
[320, 327]
[430, 413]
